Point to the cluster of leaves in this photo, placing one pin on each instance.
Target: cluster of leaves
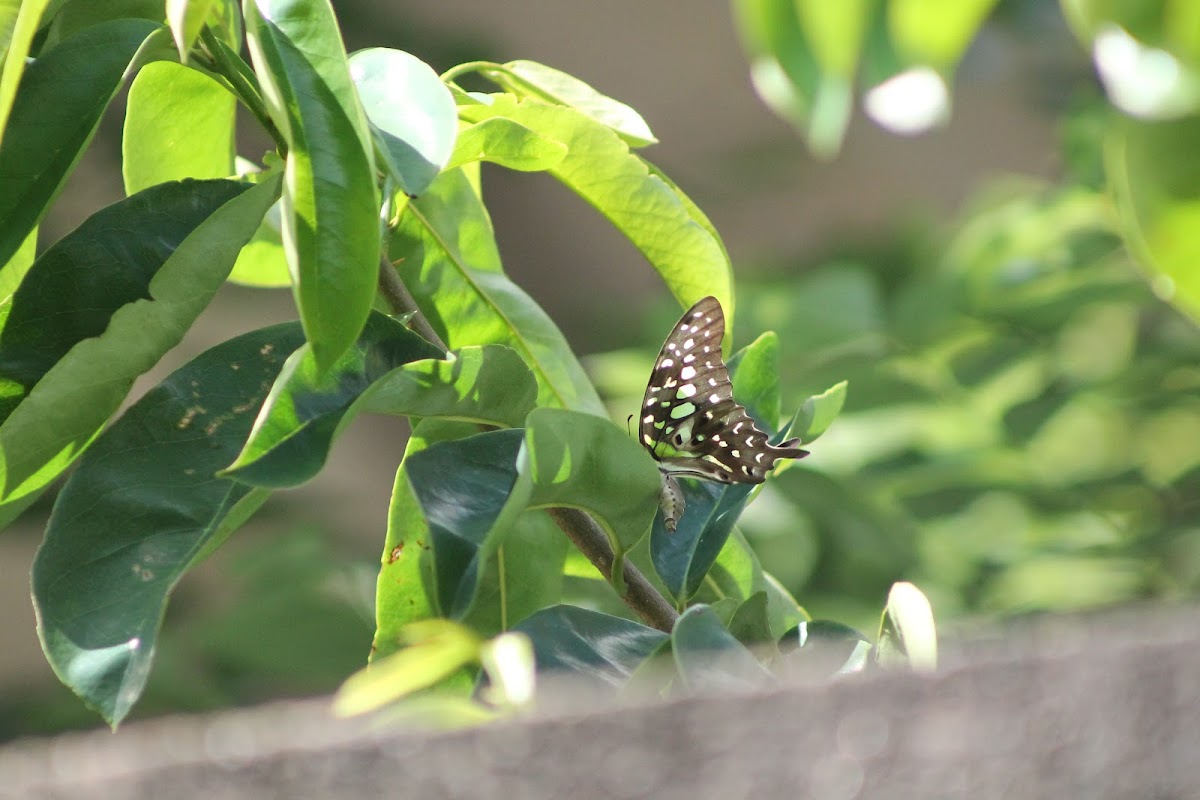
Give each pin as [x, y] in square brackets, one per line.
[371, 199]
[808, 57]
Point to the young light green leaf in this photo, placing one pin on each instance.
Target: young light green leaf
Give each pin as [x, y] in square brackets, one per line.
[12, 273]
[818, 413]
[507, 143]
[330, 205]
[554, 86]
[600, 169]
[178, 124]
[140, 509]
[907, 633]
[412, 113]
[186, 18]
[447, 256]
[436, 649]
[18, 24]
[54, 115]
[153, 262]
[589, 644]
[936, 32]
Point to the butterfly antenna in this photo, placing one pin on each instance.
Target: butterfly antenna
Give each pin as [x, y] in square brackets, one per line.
[628, 429]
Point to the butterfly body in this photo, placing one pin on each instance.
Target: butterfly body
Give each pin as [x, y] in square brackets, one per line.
[690, 422]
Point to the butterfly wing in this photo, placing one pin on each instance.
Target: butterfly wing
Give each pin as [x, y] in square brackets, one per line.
[690, 422]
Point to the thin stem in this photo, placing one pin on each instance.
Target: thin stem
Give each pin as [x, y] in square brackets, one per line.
[244, 84]
[640, 595]
[402, 302]
[453, 73]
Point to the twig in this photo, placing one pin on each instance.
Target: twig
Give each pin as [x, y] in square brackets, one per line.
[591, 540]
[398, 297]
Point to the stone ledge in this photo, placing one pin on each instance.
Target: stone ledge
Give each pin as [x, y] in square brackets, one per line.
[1097, 707]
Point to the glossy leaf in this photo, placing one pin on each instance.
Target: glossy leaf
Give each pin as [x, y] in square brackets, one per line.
[1156, 184]
[477, 531]
[411, 111]
[488, 385]
[507, 143]
[178, 124]
[141, 508]
[307, 408]
[600, 169]
[330, 206]
[54, 115]
[708, 657]
[590, 644]
[737, 573]
[822, 647]
[559, 88]
[121, 290]
[18, 23]
[447, 256]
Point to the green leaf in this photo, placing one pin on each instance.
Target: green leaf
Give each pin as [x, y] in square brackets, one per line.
[756, 370]
[262, 262]
[818, 413]
[600, 169]
[559, 88]
[412, 113]
[737, 573]
[12, 273]
[476, 534]
[1156, 184]
[330, 205]
[936, 32]
[907, 633]
[448, 259]
[488, 385]
[54, 115]
[18, 23]
[589, 644]
[708, 657]
[120, 291]
[140, 509]
[307, 408]
[751, 624]
[186, 18]
[507, 143]
[436, 650]
[822, 647]
[178, 124]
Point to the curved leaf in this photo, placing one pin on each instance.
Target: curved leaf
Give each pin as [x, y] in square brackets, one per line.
[307, 408]
[590, 644]
[412, 112]
[709, 657]
[141, 508]
[447, 255]
[330, 205]
[101, 306]
[559, 88]
[507, 143]
[54, 115]
[178, 124]
[907, 633]
[600, 169]
[18, 24]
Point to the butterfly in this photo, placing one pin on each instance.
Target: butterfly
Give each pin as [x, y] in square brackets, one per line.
[690, 422]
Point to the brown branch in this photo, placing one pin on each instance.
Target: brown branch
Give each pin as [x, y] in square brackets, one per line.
[402, 302]
[581, 529]
[591, 540]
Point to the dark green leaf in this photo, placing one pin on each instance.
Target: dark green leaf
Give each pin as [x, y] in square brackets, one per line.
[140, 509]
[708, 657]
[412, 113]
[589, 644]
[307, 407]
[102, 305]
[60, 101]
[330, 205]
